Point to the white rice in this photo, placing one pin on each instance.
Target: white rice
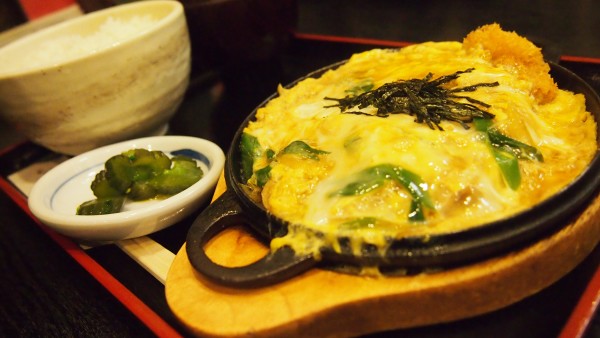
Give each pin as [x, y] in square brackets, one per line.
[61, 49]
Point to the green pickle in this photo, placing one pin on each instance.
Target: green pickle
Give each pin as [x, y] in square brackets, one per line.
[183, 174]
[119, 173]
[139, 174]
[102, 187]
[101, 206]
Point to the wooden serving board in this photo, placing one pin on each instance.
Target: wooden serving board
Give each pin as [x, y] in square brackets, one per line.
[321, 303]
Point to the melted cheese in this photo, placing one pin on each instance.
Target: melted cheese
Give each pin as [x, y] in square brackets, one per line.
[460, 173]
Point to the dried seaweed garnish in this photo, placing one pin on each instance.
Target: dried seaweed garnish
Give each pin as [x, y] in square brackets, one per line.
[425, 99]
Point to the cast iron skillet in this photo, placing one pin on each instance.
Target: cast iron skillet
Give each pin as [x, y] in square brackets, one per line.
[235, 207]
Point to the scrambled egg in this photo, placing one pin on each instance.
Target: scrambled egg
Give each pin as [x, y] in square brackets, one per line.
[456, 166]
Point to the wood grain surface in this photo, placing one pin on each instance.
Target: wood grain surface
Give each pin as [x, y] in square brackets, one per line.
[328, 304]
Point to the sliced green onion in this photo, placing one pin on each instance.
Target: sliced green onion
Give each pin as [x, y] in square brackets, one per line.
[519, 149]
[359, 223]
[416, 213]
[509, 166]
[360, 88]
[482, 124]
[374, 177]
[304, 150]
[507, 151]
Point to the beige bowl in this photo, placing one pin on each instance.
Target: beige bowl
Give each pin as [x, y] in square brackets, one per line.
[107, 76]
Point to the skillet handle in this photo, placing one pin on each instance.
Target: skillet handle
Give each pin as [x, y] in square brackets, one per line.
[274, 267]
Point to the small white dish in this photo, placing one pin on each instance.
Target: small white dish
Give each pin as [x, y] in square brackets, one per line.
[55, 196]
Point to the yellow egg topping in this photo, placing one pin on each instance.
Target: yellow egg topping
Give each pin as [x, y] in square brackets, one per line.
[373, 177]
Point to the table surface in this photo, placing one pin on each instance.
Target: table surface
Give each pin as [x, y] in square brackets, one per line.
[44, 292]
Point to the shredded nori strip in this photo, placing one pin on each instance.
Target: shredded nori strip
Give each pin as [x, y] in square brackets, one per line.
[425, 99]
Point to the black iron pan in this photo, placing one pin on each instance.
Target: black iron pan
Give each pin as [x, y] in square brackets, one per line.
[235, 207]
